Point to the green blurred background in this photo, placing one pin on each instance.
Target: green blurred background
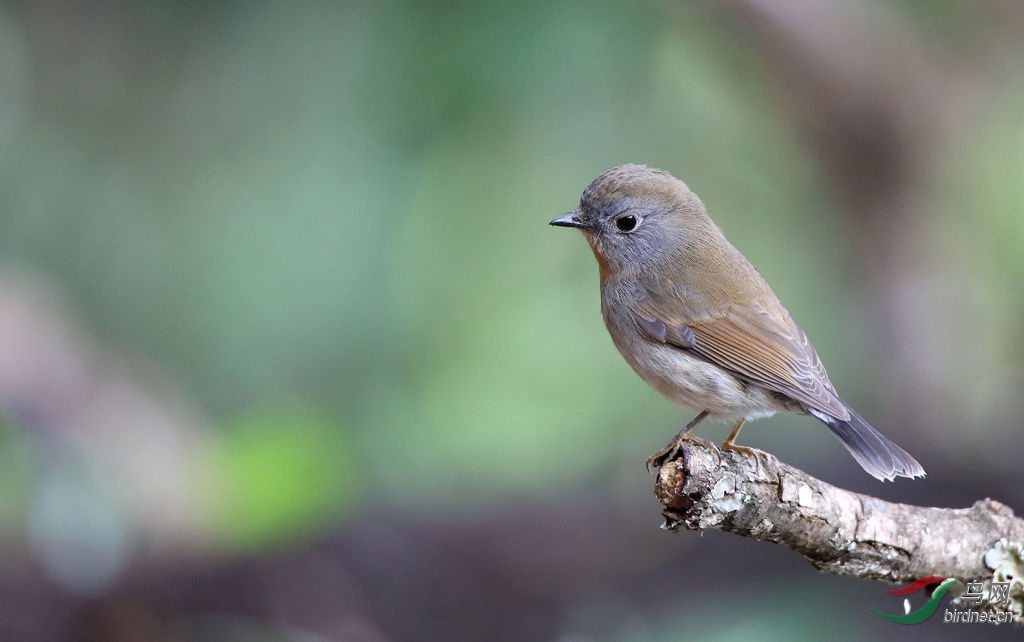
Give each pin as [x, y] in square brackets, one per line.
[288, 351]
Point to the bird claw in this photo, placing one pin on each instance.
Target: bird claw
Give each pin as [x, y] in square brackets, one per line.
[754, 453]
[669, 452]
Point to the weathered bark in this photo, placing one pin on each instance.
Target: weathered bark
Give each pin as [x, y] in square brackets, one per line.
[837, 530]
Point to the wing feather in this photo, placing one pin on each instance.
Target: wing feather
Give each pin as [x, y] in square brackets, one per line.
[764, 347]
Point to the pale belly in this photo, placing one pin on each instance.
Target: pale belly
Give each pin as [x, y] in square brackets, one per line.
[698, 385]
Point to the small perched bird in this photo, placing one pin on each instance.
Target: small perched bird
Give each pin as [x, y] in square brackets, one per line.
[698, 323]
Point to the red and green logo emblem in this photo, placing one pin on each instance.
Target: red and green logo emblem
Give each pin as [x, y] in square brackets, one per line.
[926, 611]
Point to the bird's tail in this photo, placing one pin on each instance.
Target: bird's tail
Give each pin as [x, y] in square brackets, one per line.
[881, 458]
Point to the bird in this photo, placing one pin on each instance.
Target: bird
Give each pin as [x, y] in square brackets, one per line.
[698, 323]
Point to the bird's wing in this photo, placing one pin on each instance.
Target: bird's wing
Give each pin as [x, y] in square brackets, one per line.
[754, 344]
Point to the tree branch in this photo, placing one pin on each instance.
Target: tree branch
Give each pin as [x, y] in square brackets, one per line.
[837, 530]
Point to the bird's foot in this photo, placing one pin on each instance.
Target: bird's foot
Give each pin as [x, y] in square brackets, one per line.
[669, 452]
[754, 453]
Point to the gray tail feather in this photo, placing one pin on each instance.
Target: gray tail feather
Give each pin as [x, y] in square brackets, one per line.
[881, 458]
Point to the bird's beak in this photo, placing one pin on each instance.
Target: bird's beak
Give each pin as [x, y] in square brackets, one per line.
[569, 220]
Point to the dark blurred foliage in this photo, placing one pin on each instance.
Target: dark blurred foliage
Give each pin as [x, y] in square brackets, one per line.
[288, 352]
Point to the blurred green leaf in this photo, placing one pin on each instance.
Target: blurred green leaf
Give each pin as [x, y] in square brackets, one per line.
[279, 474]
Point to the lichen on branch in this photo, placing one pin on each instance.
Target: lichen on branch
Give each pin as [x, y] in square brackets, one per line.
[836, 530]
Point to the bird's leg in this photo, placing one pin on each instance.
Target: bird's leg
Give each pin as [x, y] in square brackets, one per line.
[658, 459]
[730, 444]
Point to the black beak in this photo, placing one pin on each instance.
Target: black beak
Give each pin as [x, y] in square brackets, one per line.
[569, 220]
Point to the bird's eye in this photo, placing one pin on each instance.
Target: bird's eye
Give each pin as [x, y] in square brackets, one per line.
[626, 223]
